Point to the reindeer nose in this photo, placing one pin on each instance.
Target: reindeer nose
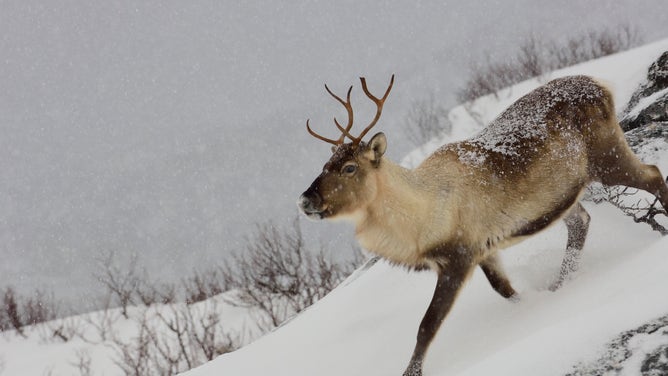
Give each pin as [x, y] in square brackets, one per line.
[309, 202]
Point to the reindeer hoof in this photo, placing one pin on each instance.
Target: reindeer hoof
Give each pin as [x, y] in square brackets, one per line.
[414, 369]
[557, 284]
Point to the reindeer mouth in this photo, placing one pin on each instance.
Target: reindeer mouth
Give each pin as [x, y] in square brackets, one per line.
[315, 215]
[310, 208]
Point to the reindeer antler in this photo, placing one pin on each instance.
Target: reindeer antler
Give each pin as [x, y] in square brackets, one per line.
[345, 132]
[379, 107]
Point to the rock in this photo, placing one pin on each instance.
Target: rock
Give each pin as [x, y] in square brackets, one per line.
[656, 363]
[640, 136]
[658, 72]
[649, 103]
[648, 342]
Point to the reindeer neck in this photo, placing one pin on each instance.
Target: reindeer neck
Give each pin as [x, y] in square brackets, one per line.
[391, 225]
[400, 193]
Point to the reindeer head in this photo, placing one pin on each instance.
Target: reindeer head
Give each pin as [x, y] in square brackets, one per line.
[347, 181]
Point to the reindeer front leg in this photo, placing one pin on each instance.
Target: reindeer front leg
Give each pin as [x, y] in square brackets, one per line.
[450, 280]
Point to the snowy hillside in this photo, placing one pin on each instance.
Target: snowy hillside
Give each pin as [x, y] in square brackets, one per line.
[367, 326]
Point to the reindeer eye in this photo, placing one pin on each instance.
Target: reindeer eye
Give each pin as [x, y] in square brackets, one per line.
[349, 169]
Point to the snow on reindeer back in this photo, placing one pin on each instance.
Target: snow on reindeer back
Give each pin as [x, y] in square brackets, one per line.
[524, 124]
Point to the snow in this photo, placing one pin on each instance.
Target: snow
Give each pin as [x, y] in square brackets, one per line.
[524, 122]
[644, 103]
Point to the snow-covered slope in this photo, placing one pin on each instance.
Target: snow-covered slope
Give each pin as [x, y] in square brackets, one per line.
[96, 340]
[368, 325]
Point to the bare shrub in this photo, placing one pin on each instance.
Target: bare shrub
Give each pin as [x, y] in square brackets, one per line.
[536, 57]
[11, 317]
[488, 78]
[173, 339]
[425, 120]
[128, 286]
[148, 292]
[275, 277]
[530, 59]
[133, 356]
[279, 277]
[203, 285]
[83, 362]
[102, 322]
[39, 308]
[18, 312]
[592, 45]
[625, 199]
[64, 329]
[120, 282]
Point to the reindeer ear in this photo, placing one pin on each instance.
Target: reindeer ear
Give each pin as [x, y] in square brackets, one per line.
[376, 147]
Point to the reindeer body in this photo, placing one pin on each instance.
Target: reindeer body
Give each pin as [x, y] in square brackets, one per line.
[490, 191]
[522, 173]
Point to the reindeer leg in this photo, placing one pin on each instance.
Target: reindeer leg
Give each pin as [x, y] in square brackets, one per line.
[493, 270]
[620, 166]
[450, 280]
[577, 224]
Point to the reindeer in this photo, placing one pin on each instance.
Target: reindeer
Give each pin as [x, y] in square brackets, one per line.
[468, 199]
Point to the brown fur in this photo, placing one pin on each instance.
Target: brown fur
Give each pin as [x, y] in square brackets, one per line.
[525, 171]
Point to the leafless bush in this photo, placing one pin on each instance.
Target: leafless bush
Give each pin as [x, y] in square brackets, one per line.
[128, 286]
[173, 339]
[148, 292]
[592, 45]
[203, 285]
[488, 78]
[18, 312]
[40, 307]
[10, 318]
[536, 57]
[275, 276]
[102, 322]
[67, 328]
[279, 277]
[133, 356]
[83, 362]
[626, 199]
[426, 119]
[120, 282]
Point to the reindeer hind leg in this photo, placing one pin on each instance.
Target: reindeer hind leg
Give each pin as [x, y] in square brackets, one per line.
[618, 165]
[577, 224]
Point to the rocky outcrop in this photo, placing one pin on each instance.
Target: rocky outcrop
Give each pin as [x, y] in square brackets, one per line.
[640, 136]
[643, 347]
[649, 103]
